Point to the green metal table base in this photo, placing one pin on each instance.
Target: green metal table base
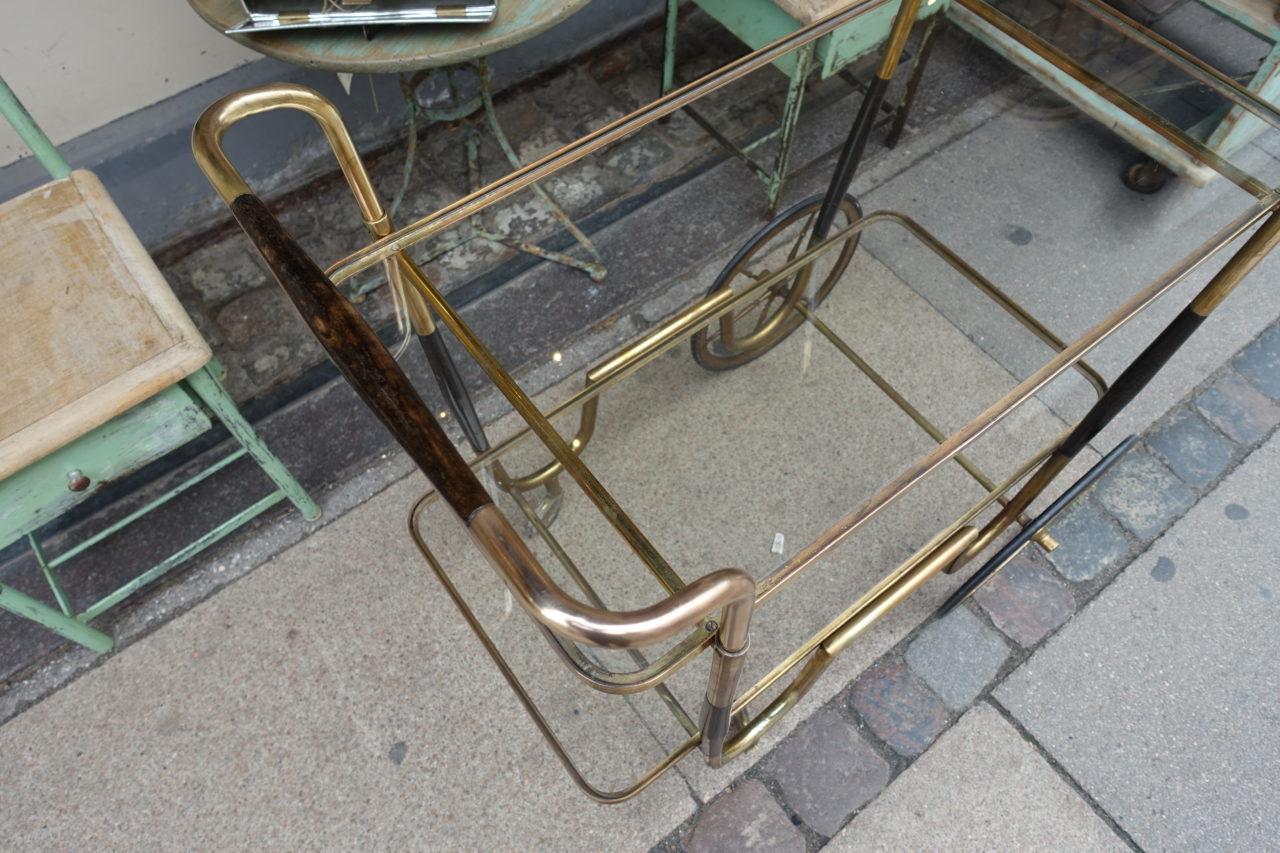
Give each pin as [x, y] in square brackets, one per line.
[461, 110]
[205, 387]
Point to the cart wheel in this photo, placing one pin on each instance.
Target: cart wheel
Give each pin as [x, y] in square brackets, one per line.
[763, 323]
[1145, 176]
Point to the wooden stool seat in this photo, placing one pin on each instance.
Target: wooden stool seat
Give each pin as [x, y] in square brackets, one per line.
[809, 11]
[89, 328]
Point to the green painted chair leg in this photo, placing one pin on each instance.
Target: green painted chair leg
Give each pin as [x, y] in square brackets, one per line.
[207, 387]
[50, 575]
[1240, 127]
[790, 117]
[21, 604]
[31, 134]
[669, 47]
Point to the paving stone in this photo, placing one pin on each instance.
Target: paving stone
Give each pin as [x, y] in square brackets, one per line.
[573, 101]
[1159, 698]
[898, 707]
[957, 656]
[1191, 447]
[1144, 495]
[981, 787]
[1089, 542]
[827, 771]
[261, 314]
[1026, 601]
[1236, 408]
[213, 274]
[1260, 363]
[746, 818]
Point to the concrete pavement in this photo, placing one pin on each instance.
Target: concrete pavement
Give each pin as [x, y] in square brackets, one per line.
[1160, 698]
[334, 697]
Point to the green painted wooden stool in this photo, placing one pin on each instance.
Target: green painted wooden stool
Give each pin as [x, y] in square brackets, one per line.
[104, 372]
[760, 22]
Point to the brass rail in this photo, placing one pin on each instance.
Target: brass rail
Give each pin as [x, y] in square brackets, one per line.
[688, 611]
[1154, 122]
[462, 209]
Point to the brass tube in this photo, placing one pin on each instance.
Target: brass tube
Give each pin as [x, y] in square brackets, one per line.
[908, 12]
[466, 207]
[206, 145]
[732, 590]
[1257, 247]
[206, 140]
[838, 640]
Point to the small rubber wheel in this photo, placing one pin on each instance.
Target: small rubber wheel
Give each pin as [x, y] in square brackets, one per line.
[1145, 176]
[751, 330]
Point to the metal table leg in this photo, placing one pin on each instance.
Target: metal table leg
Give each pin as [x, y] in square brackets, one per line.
[467, 110]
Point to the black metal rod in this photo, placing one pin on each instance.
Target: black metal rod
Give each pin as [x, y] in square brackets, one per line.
[454, 389]
[850, 157]
[1134, 378]
[1041, 521]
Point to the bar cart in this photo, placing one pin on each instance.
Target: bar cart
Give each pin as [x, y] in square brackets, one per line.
[803, 452]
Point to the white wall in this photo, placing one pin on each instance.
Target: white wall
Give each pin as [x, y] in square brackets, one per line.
[78, 64]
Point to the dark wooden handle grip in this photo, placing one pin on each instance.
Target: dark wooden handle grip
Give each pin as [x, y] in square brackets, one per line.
[356, 350]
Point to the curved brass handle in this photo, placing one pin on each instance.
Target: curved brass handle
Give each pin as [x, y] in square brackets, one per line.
[368, 366]
[206, 144]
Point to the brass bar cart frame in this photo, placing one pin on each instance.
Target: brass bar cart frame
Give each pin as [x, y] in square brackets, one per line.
[713, 612]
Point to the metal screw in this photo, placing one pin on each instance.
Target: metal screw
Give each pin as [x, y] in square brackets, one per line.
[711, 626]
[76, 480]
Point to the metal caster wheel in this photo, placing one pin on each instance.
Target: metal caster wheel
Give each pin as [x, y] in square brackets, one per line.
[1145, 176]
[765, 321]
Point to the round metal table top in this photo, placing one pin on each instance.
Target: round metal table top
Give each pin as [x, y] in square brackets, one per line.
[394, 48]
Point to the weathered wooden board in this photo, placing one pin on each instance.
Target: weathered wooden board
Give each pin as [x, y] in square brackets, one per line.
[89, 326]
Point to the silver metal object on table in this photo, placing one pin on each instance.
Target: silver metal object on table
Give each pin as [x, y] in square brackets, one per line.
[271, 15]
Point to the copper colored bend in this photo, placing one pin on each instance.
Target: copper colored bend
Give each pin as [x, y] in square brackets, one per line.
[358, 352]
[549, 604]
[206, 144]
[731, 592]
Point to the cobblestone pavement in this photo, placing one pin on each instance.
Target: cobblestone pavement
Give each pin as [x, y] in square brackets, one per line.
[875, 739]
[237, 308]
